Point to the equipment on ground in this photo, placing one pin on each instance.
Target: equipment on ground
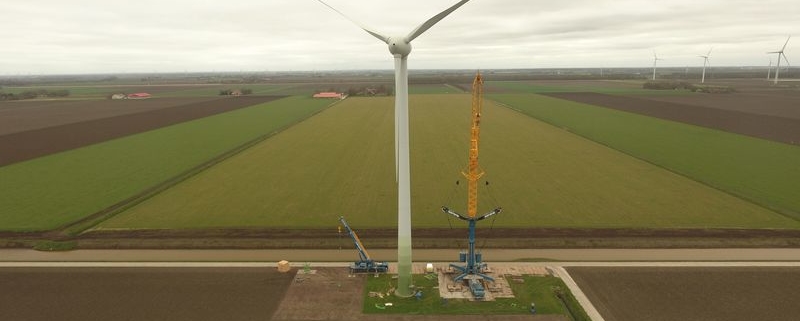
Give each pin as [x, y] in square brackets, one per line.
[365, 264]
[474, 269]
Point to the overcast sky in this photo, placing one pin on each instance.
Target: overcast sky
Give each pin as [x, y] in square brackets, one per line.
[112, 36]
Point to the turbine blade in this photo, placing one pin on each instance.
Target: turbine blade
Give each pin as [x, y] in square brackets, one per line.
[786, 59]
[368, 30]
[786, 43]
[432, 21]
[709, 52]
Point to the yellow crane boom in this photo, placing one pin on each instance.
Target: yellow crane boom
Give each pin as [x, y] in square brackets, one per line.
[473, 172]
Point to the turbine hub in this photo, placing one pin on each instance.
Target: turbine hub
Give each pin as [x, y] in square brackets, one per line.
[399, 46]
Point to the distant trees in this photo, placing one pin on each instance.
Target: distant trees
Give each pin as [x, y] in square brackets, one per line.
[675, 85]
[31, 94]
[369, 90]
[235, 92]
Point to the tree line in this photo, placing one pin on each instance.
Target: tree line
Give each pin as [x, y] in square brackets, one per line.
[232, 92]
[31, 94]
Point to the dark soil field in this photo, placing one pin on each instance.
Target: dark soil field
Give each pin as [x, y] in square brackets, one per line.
[691, 293]
[141, 293]
[194, 294]
[784, 128]
[88, 128]
[784, 104]
[619, 293]
[25, 115]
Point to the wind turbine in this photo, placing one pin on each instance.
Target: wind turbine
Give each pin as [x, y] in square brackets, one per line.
[780, 54]
[769, 68]
[705, 62]
[400, 47]
[655, 60]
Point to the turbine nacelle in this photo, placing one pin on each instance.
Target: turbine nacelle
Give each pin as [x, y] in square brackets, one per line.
[399, 46]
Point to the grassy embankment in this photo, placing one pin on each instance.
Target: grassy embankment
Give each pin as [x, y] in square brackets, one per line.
[540, 290]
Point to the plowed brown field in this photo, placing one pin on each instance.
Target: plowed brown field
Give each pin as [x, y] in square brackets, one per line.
[784, 128]
[691, 293]
[57, 130]
[141, 293]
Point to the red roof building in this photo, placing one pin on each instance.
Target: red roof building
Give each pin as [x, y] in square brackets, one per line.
[139, 96]
[329, 95]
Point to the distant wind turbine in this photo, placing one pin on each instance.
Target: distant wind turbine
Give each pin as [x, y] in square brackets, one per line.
[705, 63]
[780, 54]
[655, 62]
[400, 47]
[769, 68]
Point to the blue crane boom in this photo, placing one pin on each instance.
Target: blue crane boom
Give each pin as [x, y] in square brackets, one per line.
[365, 264]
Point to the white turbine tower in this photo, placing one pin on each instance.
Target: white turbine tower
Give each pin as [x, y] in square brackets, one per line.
[705, 63]
[780, 54]
[655, 61]
[400, 47]
[769, 68]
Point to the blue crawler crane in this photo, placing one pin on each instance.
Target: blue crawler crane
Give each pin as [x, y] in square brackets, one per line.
[473, 270]
[365, 264]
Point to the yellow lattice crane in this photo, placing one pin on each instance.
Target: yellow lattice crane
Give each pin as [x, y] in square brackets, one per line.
[473, 172]
[474, 268]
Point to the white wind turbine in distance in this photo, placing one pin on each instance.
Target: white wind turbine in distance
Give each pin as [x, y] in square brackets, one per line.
[769, 68]
[400, 47]
[705, 63]
[780, 54]
[655, 62]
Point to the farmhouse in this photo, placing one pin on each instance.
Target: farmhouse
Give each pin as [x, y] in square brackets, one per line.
[330, 95]
[138, 96]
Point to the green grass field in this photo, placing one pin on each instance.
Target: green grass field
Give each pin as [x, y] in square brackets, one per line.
[54, 190]
[536, 289]
[762, 171]
[340, 162]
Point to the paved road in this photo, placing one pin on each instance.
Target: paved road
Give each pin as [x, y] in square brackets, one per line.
[490, 255]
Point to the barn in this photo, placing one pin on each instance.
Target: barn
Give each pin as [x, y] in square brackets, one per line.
[329, 95]
[139, 96]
